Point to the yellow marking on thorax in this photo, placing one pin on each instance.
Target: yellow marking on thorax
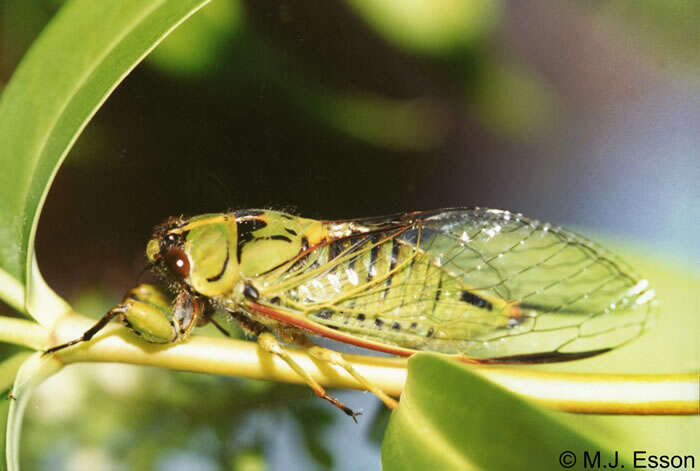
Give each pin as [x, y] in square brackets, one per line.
[202, 222]
[315, 231]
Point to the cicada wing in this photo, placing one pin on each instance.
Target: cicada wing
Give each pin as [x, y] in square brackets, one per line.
[487, 284]
[566, 296]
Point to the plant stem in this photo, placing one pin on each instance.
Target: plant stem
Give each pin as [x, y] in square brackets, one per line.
[23, 332]
[670, 394]
[591, 393]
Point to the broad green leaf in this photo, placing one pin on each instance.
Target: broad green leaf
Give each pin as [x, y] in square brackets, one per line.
[452, 418]
[81, 56]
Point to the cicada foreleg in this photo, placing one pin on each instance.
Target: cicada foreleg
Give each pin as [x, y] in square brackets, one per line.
[90, 333]
[150, 315]
[269, 343]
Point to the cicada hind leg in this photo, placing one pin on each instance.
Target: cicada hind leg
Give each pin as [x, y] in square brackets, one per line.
[335, 358]
[269, 343]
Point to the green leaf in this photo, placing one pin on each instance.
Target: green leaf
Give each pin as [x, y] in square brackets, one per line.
[81, 56]
[452, 418]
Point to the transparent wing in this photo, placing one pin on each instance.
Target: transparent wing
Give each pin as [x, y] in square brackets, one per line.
[569, 295]
[485, 283]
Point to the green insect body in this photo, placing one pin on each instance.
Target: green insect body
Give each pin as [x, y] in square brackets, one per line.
[480, 284]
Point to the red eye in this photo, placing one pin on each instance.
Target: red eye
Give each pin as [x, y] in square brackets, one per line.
[177, 262]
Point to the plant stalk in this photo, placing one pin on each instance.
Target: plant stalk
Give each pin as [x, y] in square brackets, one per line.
[648, 394]
[23, 332]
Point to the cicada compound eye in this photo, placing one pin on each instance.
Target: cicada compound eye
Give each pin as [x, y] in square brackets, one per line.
[177, 262]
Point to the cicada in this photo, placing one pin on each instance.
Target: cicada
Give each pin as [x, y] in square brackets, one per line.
[480, 285]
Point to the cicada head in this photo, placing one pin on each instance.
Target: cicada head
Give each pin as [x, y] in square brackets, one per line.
[199, 253]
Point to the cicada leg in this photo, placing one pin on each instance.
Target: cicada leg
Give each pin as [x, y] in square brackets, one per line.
[332, 357]
[269, 343]
[149, 314]
[90, 333]
[335, 358]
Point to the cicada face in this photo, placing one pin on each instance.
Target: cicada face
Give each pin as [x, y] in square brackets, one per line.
[197, 253]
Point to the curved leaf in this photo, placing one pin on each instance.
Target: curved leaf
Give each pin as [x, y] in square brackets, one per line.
[452, 418]
[81, 56]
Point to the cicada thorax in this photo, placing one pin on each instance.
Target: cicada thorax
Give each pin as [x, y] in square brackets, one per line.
[227, 253]
[269, 239]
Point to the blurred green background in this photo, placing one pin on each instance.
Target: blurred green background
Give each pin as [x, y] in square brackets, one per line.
[582, 113]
